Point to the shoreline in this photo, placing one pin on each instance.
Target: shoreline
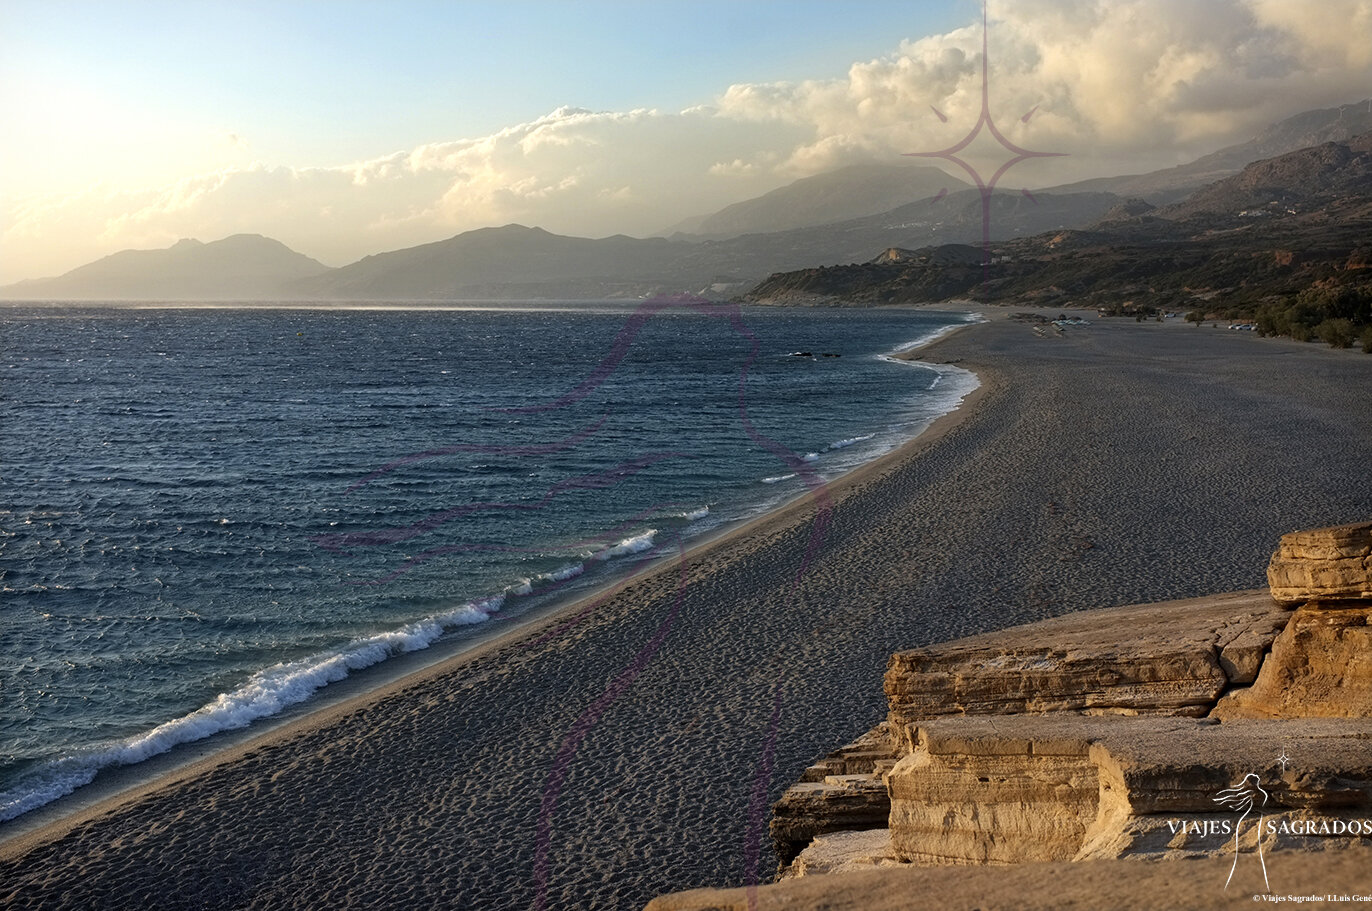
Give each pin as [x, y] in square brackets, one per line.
[117, 785]
[634, 749]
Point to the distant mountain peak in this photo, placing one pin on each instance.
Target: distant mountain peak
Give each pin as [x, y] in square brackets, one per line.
[238, 267]
[1300, 131]
[854, 191]
[1310, 176]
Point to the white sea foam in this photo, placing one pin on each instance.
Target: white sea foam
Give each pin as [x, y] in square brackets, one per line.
[930, 337]
[851, 441]
[265, 693]
[563, 573]
[274, 689]
[811, 456]
[636, 544]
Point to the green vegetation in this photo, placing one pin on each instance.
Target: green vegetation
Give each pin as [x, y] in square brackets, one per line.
[1337, 332]
[1338, 315]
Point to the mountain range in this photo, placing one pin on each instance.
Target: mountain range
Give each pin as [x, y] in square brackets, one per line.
[843, 216]
[240, 267]
[1295, 227]
[838, 195]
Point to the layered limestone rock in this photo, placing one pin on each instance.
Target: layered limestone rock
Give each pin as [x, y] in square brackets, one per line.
[1177, 658]
[1173, 658]
[1320, 666]
[844, 791]
[1067, 786]
[1177, 788]
[1151, 731]
[1323, 564]
[836, 804]
[993, 791]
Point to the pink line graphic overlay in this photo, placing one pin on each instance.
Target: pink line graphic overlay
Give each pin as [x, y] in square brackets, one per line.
[572, 740]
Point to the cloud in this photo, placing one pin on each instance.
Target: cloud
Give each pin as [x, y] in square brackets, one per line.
[1116, 85]
[1119, 86]
[572, 171]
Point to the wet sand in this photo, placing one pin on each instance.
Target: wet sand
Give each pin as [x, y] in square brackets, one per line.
[632, 745]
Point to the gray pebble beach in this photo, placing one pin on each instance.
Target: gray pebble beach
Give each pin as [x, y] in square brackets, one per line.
[633, 745]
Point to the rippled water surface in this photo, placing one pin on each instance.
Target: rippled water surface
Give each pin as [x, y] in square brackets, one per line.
[206, 515]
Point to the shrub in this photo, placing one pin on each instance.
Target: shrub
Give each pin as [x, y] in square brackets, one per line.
[1271, 320]
[1344, 302]
[1367, 339]
[1337, 332]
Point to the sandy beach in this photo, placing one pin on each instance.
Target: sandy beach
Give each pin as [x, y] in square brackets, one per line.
[632, 744]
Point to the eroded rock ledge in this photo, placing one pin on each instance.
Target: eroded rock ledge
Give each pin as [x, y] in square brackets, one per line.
[1114, 734]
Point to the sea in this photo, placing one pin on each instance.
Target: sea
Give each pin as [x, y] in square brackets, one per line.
[209, 515]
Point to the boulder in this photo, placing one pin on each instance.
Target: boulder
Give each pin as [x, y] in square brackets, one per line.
[840, 852]
[1323, 564]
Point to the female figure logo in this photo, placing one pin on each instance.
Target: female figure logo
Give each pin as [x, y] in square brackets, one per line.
[1242, 797]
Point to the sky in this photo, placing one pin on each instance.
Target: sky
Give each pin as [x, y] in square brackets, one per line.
[350, 128]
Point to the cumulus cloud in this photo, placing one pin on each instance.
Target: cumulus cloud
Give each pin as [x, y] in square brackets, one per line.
[1115, 84]
[1118, 85]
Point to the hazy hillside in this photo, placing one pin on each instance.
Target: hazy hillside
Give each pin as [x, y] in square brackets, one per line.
[508, 262]
[955, 218]
[1295, 179]
[1286, 241]
[838, 195]
[517, 262]
[241, 267]
[1306, 129]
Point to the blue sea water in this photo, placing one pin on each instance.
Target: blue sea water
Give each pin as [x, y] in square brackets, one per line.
[206, 515]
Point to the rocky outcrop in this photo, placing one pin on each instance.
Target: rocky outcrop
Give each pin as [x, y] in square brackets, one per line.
[1321, 664]
[1066, 786]
[1174, 658]
[1126, 735]
[973, 792]
[1320, 667]
[1058, 886]
[844, 791]
[1323, 564]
